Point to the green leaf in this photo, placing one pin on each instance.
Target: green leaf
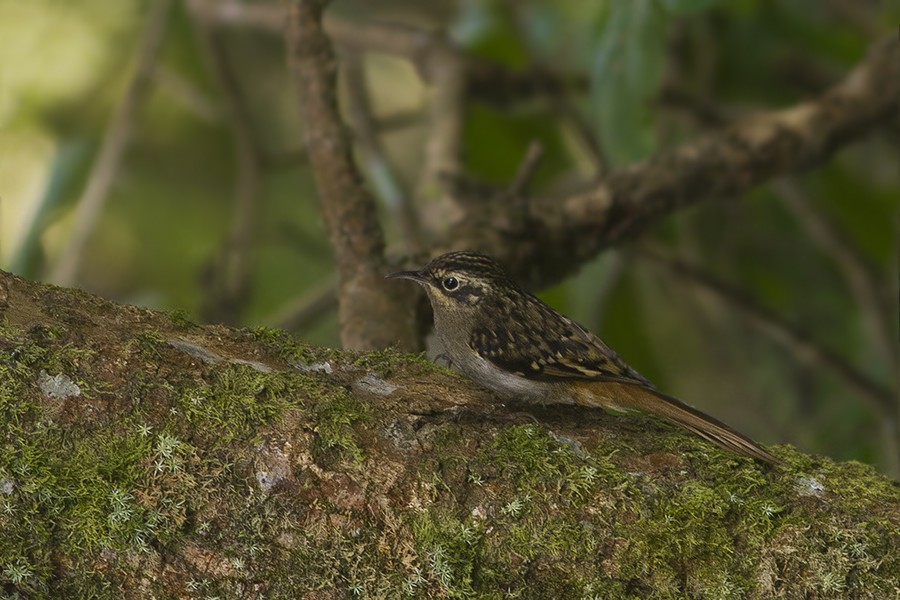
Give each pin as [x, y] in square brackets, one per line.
[626, 73]
[496, 141]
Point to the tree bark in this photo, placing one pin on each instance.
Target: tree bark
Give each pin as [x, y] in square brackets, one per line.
[144, 456]
[369, 311]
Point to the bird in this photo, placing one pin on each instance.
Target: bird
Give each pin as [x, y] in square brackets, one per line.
[512, 343]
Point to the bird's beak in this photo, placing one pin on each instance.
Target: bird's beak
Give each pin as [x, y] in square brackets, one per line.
[416, 276]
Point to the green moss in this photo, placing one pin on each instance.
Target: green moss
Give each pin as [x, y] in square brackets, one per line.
[449, 550]
[705, 533]
[381, 362]
[533, 459]
[149, 344]
[700, 537]
[334, 419]
[503, 510]
[290, 350]
[24, 356]
[84, 493]
[384, 362]
[15, 394]
[856, 516]
[181, 319]
[237, 401]
[539, 484]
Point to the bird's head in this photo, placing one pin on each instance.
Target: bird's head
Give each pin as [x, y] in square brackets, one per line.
[458, 281]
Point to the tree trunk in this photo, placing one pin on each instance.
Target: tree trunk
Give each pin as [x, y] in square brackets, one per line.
[144, 456]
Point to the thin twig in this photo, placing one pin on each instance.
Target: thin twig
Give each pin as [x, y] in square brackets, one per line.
[189, 95]
[617, 267]
[293, 158]
[860, 280]
[527, 169]
[705, 113]
[559, 100]
[803, 346]
[445, 72]
[853, 266]
[229, 272]
[115, 142]
[302, 312]
[486, 80]
[381, 171]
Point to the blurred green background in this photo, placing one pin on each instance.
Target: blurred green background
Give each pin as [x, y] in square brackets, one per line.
[627, 77]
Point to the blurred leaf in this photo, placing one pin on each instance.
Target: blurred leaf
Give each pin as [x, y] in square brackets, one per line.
[564, 32]
[689, 6]
[626, 74]
[631, 333]
[496, 142]
[482, 28]
[864, 211]
[65, 174]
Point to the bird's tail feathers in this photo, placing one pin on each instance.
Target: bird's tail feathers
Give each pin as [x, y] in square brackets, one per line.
[697, 422]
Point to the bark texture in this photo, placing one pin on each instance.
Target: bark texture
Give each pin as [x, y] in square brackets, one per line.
[368, 311]
[147, 457]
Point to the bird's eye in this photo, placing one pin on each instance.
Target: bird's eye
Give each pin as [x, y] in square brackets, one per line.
[450, 283]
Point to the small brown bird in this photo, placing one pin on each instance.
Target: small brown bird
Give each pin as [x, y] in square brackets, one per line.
[515, 345]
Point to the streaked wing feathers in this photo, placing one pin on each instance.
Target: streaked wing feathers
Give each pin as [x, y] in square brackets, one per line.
[546, 346]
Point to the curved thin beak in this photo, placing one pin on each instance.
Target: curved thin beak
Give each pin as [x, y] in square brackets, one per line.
[416, 276]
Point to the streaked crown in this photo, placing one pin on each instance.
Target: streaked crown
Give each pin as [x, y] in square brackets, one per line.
[465, 277]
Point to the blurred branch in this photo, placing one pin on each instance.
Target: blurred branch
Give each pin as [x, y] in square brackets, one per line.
[446, 111]
[371, 314]
[189, 95]
[381, 172]
[801, 344]
[619, 264]
[305, 310]
[527, 169]
[115, 142]
[862, 16]
[479, 197]
[391, 122]
[704, 112]
[564, 233]
[227, 277]
[485, 80]
[855, 269]
[587, 133]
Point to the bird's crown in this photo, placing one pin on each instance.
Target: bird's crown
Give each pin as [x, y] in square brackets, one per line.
[466, 277]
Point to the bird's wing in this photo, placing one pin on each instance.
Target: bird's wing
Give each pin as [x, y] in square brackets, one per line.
[546, 346]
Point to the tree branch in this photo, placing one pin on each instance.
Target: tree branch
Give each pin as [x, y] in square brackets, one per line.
[560, 234]
[370, 312]
[486, 80]
[148, 457]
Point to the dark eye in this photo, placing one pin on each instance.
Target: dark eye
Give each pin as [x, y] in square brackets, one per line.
[450, 283]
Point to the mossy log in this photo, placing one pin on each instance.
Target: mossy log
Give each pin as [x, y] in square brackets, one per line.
[144, 456]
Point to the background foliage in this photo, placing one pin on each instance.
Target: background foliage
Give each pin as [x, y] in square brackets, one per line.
[636, 76]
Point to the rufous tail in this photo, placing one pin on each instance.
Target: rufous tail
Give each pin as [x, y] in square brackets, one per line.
[672, 409]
